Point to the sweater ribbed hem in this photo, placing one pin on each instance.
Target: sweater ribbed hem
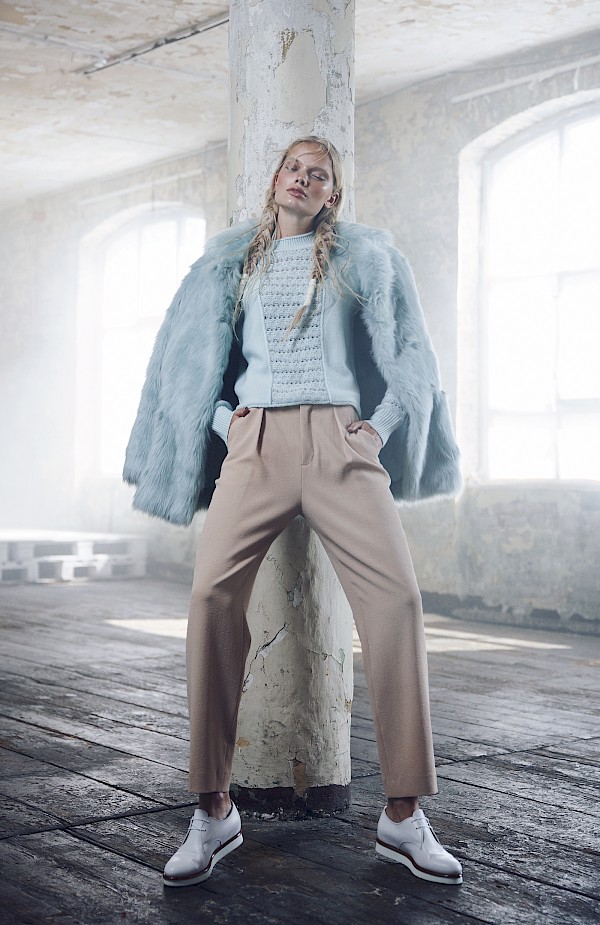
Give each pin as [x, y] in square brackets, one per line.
[385, 421]
[222, 419]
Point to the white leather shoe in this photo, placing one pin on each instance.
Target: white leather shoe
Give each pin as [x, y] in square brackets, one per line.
[414, 843]
[207, 841]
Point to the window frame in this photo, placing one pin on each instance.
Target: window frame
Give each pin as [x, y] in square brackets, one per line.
[89, 451]
[558, 123]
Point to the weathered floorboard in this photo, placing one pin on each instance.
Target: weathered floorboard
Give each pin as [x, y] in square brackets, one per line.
[93, 783]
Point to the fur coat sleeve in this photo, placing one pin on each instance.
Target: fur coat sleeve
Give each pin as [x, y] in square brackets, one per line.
[421, 456]
[173, 456]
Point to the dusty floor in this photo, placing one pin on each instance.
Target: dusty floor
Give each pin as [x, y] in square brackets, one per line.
[93, 794]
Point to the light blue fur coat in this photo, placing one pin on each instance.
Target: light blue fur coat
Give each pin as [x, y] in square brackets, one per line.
[174, 457]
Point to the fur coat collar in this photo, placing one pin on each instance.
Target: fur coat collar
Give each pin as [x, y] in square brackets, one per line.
[173, 455]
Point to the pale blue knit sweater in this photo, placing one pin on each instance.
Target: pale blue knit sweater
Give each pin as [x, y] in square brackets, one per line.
[315, 365]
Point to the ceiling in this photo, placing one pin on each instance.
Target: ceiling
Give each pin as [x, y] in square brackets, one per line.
[60, 126]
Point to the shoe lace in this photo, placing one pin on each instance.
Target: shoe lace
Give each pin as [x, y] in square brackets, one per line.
[198, 825]
[424, 823]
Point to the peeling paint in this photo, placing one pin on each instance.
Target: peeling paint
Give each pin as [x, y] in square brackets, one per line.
[287, 36]
[300, 107]
[299, 776]
[288, 79]
[295, 67]
[342, 26]
[295, 596]
[398, 44]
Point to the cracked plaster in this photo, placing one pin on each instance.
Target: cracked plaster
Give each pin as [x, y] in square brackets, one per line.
[294, 83]
[300, 707]
[174, 100]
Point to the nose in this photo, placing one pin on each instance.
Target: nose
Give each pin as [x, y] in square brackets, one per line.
[301, 179]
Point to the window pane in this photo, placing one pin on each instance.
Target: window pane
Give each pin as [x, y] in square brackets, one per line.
[521, 447]
[523, 210]
[579, 446]
[521, 345]
[580, 196]
[129, 333]
[125, 355]
[120, 293]
[579, 337]
[191, 243]
[158, 267]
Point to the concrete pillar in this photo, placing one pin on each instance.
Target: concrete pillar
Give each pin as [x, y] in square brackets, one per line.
[292, 73]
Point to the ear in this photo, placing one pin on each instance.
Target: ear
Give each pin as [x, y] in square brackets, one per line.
[332, 200]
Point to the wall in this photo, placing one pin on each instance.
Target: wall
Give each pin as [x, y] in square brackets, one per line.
[41, 244]
[509, 553]
[512, 552]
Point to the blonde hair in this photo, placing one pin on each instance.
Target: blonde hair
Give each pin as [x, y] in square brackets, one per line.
[259, 250]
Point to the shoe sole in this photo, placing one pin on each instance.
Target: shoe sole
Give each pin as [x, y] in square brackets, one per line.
[393, 854]
[201, 875]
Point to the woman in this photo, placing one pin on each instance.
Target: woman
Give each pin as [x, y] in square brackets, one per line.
[331, 328]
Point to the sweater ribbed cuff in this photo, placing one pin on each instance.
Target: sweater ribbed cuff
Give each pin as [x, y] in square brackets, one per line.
[221, 419]
[385, 421]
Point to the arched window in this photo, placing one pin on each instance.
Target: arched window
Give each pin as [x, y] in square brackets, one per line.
[137, 269]
[540, 302]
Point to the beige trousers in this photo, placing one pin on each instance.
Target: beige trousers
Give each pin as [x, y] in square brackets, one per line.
[282, 462]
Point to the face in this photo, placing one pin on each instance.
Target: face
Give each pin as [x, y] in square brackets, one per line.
[304, 183]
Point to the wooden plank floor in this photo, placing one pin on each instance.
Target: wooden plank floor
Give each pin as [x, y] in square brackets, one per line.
[93, 787]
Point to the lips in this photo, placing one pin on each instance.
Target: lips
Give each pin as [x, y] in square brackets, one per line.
[295, 190]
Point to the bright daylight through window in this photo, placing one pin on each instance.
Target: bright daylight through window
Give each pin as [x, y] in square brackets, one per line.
[143, 266]
[541, 302]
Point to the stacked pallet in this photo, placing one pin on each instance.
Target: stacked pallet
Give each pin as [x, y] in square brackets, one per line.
[60, 555]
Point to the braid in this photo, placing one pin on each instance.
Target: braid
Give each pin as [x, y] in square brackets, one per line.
[260, 246]
[324, 240]
[258, 251]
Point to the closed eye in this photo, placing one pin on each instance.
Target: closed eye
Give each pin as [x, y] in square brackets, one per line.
[318, 176]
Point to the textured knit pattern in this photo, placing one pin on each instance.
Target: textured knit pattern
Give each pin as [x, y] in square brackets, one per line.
[171, 458]
[298, 373]
[296, 362]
